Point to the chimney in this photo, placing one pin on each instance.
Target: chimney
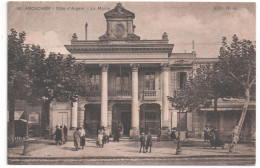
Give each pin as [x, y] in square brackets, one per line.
[86, 31]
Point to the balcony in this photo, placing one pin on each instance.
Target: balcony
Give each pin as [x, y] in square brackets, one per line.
[119, 94]
[145, 94]
[151, 94]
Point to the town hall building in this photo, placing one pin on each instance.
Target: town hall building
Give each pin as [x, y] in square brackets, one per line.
[131, 80]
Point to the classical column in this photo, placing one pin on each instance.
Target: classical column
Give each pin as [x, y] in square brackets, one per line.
[134, 132]
[74, 115]
[81, 111]
[104, 95]
[189, 121]
[165, 93]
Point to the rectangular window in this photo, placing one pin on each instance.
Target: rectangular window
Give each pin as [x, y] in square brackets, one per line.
[95, 81]
[122, 82]
[150, 81]
[181, 80]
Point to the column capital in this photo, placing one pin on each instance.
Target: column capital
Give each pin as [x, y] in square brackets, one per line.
[165, 66]
[135, 67]
[104, 67]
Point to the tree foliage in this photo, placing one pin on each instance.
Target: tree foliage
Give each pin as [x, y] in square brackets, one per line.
[64, 78]
[34, 78]
[237, 62]
[233, 75]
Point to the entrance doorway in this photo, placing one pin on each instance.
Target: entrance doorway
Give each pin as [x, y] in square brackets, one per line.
[92, 119]
[150, 118]
[121, 113]
[62, 119]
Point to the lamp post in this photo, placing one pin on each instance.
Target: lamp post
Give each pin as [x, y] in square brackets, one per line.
[26, 141]
[178, 149]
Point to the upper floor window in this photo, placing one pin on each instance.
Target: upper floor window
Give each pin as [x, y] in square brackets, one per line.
[181, 80]
[122, 81]
[95, 81]
[150, 81]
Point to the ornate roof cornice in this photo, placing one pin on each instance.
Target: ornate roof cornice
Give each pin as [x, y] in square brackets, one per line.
[160, 48]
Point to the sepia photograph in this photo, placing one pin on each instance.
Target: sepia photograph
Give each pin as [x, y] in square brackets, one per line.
[131, 83]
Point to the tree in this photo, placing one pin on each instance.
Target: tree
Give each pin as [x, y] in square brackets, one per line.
[237, 62]
[25, 63]
[36, 79]
[63, 78]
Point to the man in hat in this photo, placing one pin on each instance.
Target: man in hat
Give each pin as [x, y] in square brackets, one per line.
[76, 136]
[142, 145]
[149, 142]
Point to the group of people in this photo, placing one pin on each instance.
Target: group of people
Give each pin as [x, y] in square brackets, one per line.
[61, 135]
[102, 137]
[118, 132]
[145, 143]
[79, 138]
[212, 136]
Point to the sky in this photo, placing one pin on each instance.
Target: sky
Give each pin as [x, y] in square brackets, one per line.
[205, 23]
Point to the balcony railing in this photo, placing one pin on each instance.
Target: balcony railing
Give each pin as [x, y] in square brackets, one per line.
[146, 94]
[96, 93]
[149, 93]
[119, 94]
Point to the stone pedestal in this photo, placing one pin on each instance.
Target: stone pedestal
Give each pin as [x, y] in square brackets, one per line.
[134, 133]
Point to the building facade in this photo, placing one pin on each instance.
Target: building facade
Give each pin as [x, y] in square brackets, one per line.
[131, 80]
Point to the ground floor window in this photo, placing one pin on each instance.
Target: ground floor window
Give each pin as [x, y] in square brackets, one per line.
[182, 121]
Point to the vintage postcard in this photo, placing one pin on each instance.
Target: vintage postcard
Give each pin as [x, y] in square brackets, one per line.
[131, 83]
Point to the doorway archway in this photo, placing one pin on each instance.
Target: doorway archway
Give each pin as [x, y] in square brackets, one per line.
[121, 113]
[150, 118]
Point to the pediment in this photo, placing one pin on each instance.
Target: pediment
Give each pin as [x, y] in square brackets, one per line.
[119, 12]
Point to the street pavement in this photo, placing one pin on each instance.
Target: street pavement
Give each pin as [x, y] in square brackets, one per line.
[127, 152]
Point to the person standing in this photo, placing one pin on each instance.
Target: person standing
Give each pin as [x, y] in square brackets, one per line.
[142, 143]
[149, 142]
[82, 137]
[62, 135]
[58, 135]
[100, 138]
[159, 134]
[116, 135]
[206, 134]
[76, 137]
[65, 129]
[46, 132]
[121, 129]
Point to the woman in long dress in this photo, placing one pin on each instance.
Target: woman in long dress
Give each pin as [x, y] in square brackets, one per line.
[100, 138]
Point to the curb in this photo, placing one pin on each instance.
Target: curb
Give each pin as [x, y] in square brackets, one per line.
[140, 157]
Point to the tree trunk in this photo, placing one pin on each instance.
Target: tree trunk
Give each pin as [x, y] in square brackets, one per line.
[216, 114]
[238, 128]
[11, 126]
